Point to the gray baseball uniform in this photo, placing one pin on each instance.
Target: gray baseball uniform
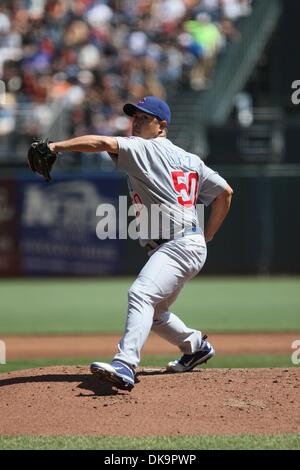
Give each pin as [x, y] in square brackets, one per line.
[164, 175]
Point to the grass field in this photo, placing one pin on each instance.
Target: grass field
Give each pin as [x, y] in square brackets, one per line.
[244, 442]
[230, 361]
[214, 304]
[218, 304]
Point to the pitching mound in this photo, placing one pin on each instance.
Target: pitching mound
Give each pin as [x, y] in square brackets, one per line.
[70, 401]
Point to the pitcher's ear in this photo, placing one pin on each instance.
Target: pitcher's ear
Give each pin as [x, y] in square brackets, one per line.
[163, 125]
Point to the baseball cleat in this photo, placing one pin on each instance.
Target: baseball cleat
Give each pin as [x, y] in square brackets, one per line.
[187, 362]
[118, 373]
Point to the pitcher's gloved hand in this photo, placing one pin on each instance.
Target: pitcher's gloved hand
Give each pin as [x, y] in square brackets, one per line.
[41, 159]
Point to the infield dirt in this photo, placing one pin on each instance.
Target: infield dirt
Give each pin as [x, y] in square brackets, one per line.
[37, 347]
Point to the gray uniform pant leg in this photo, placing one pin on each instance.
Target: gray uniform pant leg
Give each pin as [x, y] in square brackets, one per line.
[167, 325]
[158, 283]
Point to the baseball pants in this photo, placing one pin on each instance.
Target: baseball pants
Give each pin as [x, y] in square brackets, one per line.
[154, 291]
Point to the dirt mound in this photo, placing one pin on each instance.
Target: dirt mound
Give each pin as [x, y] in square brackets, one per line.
[70, 401]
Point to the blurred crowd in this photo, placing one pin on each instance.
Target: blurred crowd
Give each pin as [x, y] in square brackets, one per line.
[89, 56]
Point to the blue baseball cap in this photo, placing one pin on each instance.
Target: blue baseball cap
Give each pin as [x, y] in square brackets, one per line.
[150, 105]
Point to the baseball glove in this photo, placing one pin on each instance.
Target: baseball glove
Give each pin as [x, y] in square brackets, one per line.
[41, 159]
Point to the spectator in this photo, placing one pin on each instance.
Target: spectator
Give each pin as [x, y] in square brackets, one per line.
[206, 42]
[90, 55]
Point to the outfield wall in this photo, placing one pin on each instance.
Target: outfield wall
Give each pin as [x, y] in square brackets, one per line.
[50, 229]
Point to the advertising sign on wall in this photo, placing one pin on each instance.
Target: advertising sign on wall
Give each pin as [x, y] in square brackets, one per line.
[58, 227]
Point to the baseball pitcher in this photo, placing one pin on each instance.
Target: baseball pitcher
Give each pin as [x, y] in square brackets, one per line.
[162, 174]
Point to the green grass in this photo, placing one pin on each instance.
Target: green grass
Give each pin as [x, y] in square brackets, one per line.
[240, 361]
[282, 442]
[215, 304]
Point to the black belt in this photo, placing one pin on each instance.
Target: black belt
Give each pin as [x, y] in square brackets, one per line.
[157, 242]
[161, 241]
